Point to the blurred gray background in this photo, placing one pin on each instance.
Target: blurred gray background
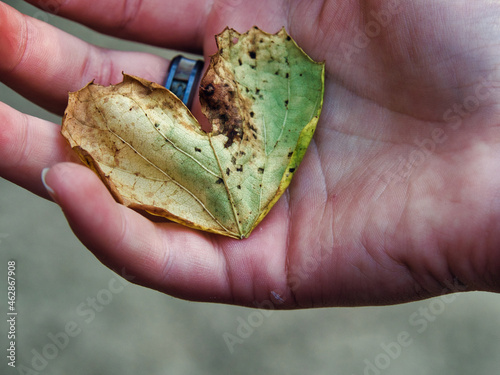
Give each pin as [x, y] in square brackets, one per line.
[133, 330]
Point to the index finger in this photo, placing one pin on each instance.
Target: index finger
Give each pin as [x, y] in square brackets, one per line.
[172, 24]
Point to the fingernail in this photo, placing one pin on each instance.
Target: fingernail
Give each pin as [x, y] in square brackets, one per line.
[47, 187]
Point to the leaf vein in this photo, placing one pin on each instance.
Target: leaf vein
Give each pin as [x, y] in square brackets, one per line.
[161, 171]
[230, 197]
[174, 145]
[172, 179]
[286, 115]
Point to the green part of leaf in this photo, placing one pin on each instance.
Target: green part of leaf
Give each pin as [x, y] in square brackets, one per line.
[263, 97]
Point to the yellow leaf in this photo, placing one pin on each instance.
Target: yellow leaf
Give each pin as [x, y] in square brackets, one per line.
[262, 95]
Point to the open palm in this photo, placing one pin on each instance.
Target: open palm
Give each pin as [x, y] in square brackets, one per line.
[397, 198]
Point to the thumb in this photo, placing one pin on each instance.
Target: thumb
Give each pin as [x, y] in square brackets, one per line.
[102, 225]
[163, 256]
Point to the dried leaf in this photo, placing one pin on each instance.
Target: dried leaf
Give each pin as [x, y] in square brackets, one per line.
[262, 95]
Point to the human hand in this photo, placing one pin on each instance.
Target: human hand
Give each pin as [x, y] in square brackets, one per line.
[397, 198]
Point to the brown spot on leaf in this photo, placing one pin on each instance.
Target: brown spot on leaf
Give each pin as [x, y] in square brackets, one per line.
[222, 106]
[207, 90]
[252, 128]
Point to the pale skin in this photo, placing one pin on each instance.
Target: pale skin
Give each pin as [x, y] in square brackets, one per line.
[397, 198]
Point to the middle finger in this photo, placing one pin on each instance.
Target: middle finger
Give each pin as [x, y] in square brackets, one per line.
[43, 63]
